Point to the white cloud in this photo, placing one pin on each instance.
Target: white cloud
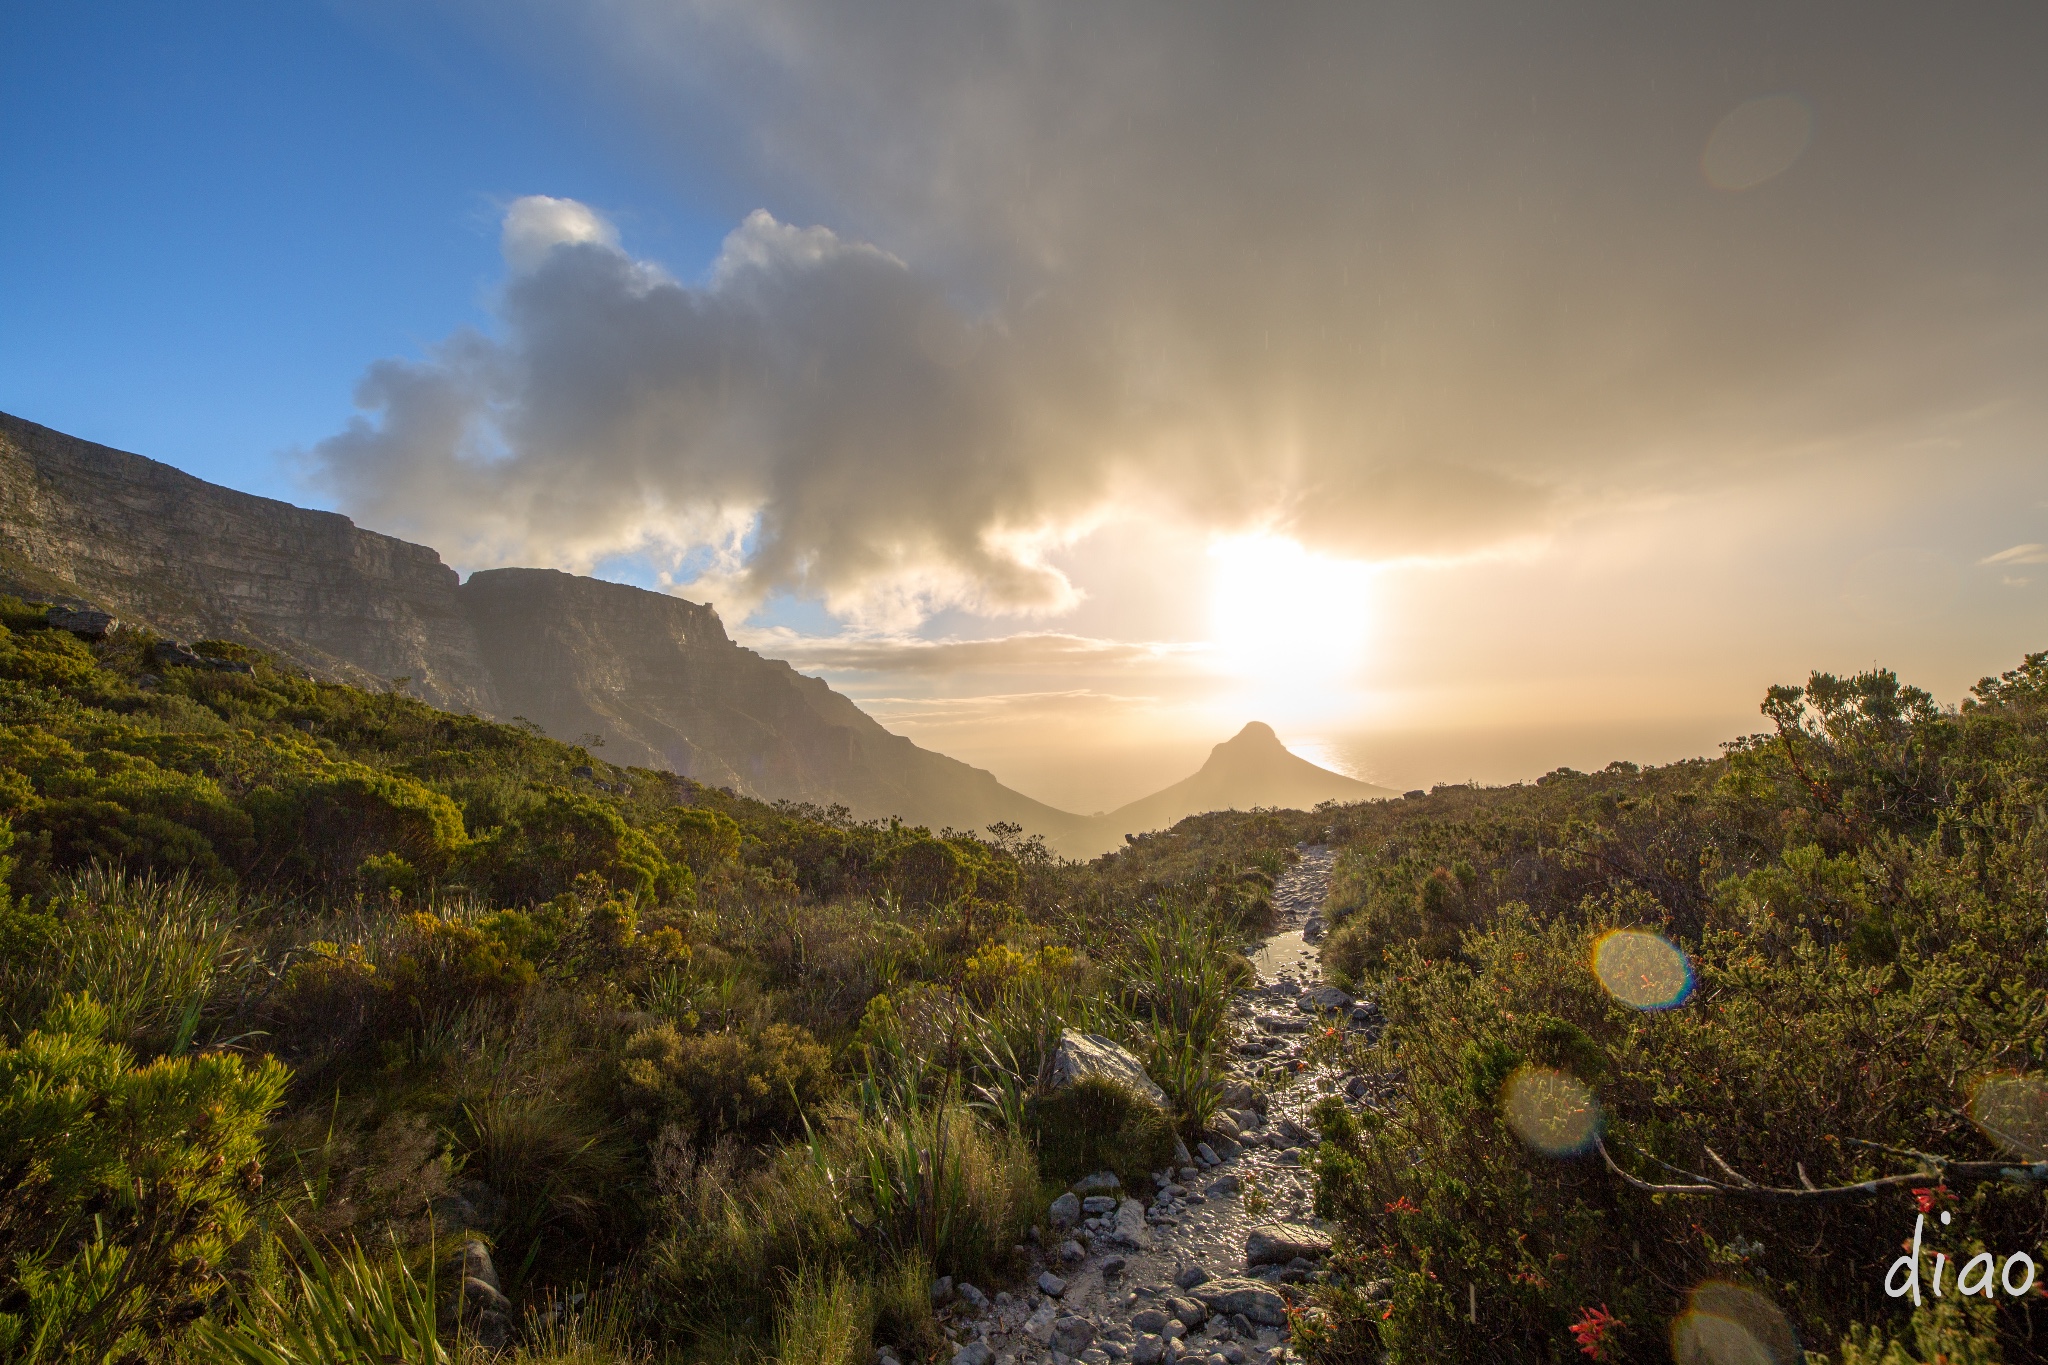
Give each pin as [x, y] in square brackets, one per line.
[537, 223]
[2019, 554]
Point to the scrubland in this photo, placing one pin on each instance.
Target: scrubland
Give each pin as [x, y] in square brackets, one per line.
[303, 988]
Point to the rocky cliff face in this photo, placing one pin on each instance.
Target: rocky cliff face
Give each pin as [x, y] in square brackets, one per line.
[193, 560]
[664, 686]
[655, 676]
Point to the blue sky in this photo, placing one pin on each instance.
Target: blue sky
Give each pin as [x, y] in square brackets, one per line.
[1480, 387]
[214, 215]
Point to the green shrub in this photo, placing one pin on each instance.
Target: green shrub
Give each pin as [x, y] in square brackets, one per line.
[1096, 1124]
[759, 1083]
[129, 1185]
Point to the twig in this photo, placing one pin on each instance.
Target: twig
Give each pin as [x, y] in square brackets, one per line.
[1738, 1186]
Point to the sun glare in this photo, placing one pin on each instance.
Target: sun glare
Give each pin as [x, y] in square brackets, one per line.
[1288, 624]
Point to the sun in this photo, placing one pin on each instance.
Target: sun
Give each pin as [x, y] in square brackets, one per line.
[1290, 626]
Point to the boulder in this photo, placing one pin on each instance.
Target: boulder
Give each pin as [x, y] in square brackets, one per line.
[472, 1261]
[1192, 1276]
[1051, 1285]
[1330, 999]
[1256, 1301]
[1090, 1054]
[1148, 1349]
[493, 1330]
[974, 1353]
[1279, 1243]
[1095, 1205]
[1071, 1253]
[972, 1297]
[1150, 1320]
[1207, 1154]
[1071, 1335]
[1223, 1126]
[1102, 1182]
[1065, 1211]
[1130, 1225]
[942, 1291]
[1189, 1312]
[82, 621]
[1039, 1325]
[1293, 1134]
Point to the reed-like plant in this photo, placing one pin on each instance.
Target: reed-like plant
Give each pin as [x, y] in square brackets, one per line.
[344, 1309]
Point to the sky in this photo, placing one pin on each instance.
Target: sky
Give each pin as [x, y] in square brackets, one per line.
[1464, 389]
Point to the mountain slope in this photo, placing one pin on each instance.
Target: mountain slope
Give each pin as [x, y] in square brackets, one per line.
[85, 523]
[659, 679]
[656, 676]
[1251, 769]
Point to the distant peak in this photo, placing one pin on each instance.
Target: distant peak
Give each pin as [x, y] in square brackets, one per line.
[1257, 732]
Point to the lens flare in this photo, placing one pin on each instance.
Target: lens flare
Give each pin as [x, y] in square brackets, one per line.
[2013, 1112]
[1553, 1112]
[1725, 1324]
[1642, 969]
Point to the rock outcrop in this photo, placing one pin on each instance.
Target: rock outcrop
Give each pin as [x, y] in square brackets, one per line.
[90, 527]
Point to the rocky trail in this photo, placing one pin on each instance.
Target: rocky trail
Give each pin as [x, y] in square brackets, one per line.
[1197, 1268]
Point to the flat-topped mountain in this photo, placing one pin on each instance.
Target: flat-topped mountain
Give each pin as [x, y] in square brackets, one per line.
[654, 676]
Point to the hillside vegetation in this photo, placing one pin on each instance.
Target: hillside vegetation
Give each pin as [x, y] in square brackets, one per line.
[303, 983]
[304, 987]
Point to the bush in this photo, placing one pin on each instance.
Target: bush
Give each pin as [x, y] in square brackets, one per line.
[1096, 1124]
[757, 1084]
[129, 1185]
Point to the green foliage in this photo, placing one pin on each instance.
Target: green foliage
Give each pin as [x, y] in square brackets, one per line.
[343, 1309]
[1858, 896]
[757, 1084]
[707, 1051]
[1096, 1124]
[128, 1184]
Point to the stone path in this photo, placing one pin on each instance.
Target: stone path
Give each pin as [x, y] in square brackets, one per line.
[1168, 1273]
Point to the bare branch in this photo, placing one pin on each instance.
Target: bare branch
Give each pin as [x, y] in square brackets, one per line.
[1739, 1186]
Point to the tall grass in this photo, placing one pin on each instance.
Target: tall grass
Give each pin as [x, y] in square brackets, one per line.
[827, 1318]
[343, 1310]
[936, 1183]
[1179, 982]
[156, 954]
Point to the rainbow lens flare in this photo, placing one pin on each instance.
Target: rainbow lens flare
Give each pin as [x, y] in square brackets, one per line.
[1725, 1324]
[2013, 1112]
[1553, 1112]
[1642, 969]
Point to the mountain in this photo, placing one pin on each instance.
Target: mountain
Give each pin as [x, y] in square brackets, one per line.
[1251, 769]
[644, 678]
[83, 524]
[656, 677]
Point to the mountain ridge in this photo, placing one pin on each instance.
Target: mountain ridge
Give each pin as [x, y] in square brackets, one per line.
[652, 678]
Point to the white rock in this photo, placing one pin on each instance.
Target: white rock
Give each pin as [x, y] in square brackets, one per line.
[1091, 1054]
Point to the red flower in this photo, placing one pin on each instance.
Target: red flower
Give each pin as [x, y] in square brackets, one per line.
[1927, 1197]
[1402, 1205]
[1592, 1328]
